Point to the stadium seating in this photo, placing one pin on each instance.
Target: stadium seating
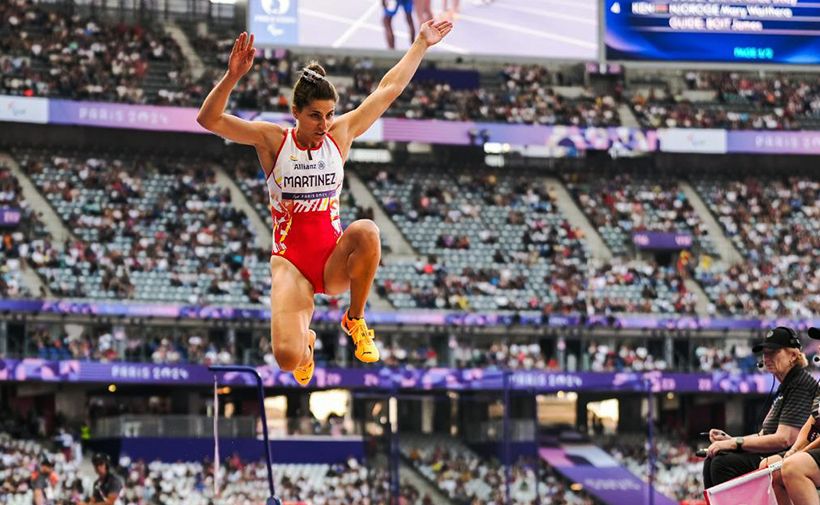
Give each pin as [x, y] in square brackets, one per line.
[621, 205]
[49, 51]
[191, 483]
[490, 242]
[464, 477]
[732, 101]
[775, 224]
[18, 242]
[677, 470]
[157, 229]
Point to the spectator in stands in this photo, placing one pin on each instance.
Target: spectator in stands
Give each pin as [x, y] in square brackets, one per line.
[44, 482]
[729, 457]
[107, 487]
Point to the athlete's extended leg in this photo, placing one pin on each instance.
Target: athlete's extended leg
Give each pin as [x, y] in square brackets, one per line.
[388, 31]
[424, 12]
[291, 307]
[353, 265]
[408, 13]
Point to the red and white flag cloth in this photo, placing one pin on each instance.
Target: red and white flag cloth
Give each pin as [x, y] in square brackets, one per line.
[754, 488]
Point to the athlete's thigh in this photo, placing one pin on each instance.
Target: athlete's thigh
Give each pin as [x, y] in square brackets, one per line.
[291, 301]
[362, 234]
[336, 276]
[808, 466]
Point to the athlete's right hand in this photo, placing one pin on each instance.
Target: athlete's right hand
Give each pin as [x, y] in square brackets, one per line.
[242, 54]
[718, 435]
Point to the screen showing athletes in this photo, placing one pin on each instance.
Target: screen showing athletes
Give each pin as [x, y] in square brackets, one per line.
[751, 31]
[555, 29]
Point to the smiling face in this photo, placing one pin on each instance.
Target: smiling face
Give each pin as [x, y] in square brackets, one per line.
[314, 120]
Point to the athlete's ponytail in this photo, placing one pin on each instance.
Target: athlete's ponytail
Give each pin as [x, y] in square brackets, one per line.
[313, 85]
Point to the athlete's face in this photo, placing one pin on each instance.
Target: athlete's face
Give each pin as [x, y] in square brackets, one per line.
[315, 120]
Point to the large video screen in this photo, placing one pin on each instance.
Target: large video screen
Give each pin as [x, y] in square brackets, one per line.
[556, 29]
[736, 31]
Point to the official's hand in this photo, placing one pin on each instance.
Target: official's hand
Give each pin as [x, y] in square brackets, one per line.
[721, 445]
[718, 435]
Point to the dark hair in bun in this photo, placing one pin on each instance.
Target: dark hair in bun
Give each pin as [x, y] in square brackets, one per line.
[313, 85]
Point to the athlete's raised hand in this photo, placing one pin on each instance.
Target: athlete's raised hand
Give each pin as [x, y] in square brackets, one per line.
[241, 59]
[432, 32]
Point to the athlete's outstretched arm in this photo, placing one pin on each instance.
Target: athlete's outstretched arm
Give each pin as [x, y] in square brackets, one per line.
[212, 115]
[357, 121]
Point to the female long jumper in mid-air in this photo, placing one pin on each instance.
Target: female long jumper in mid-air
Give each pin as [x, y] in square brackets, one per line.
[304, 168]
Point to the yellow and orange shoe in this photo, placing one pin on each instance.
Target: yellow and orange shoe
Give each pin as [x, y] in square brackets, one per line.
[303, 374]
[366, 350]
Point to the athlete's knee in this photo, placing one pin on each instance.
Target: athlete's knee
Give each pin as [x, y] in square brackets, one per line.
[289, 347]
[367, 233]
[792, 469]
[288, 357]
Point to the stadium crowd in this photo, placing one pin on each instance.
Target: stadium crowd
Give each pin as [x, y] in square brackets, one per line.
[502, 243]
[464, 477]
[734, 101]
[677, 469]
[145, 483]
[134, 222]
[775, 224]
[53, 52]
[107, 344]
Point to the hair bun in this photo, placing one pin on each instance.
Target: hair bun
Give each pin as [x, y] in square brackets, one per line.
[313, 73]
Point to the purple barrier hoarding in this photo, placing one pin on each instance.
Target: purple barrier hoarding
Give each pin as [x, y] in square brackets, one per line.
[9, 216]
[569, 138]
[385, 378]
[773, 142]
[566, 138]
[613, 485]
[114, 115]
[563, 139]
[424, 317]
[291, 450]
[662, 241]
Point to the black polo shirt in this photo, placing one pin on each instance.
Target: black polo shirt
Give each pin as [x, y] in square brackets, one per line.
[792, 403]
[105, 486]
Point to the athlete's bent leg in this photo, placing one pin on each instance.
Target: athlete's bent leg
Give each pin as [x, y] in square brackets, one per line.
[801, 477]
[353, 265]
[291, 307]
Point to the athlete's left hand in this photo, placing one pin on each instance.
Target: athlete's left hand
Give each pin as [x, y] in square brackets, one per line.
[432, 32]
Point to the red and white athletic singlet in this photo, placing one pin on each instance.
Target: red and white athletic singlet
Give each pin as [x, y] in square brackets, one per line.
[304, 188]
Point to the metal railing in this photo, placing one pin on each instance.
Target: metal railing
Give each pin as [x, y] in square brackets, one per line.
[132, 426]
